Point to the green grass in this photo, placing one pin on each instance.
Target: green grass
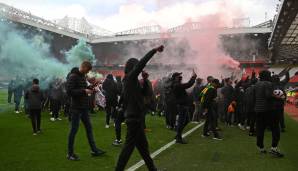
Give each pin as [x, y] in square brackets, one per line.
[236, 152]
[20, 150]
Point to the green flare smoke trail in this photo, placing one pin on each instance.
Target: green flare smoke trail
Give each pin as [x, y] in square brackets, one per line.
[31, 57]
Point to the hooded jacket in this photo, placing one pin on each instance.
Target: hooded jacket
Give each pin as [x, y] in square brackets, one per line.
[179, 90]
[110, 90]
[132, 90]
[75, 87]
[34, 97]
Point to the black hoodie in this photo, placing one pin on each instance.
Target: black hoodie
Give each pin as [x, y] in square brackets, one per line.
[34, 97]
[110, 90]
[132, 90]
[75, 87]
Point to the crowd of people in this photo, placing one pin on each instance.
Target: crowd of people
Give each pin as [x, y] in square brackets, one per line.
[254, 103]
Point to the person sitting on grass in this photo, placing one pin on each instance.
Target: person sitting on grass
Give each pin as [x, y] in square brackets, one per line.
[35, 99]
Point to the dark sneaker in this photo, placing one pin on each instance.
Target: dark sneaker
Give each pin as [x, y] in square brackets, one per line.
[180, 141]
[117, 143]
[73, 157]
[275, 152]
[97, 153]
[217, 138]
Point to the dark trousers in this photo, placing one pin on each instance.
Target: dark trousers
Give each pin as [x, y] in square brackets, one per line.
[252, 121]
[135, 137]
[9, 96]
[229, 118]
[210, 123]
[77, 115]
[282, 118]
[26, 107]
[92, 103]
[183, 120]
[118, 121]
[110, 112]
[55, 105]
[170, 113]
[267, 119]
[226, 116]
[238, 113]
[35, 116]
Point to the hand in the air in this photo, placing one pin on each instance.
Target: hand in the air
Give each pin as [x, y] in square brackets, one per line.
[194, 74]
[160, 48]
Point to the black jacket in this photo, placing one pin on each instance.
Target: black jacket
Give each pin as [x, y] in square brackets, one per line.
[34, 97]
[209, 101]
[179, 90]
[110, 90]
[76, 85]
[133, 93]
[249, 99]
[263, 96]
[228, 93]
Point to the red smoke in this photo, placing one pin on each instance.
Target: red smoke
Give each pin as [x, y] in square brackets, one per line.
[209, 58]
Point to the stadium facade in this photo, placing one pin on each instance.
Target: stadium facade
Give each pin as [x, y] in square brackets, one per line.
[112, 49]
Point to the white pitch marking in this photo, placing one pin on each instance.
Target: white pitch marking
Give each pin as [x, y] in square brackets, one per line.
[163, 148]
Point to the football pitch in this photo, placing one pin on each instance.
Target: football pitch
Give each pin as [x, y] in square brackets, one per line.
[20, 150]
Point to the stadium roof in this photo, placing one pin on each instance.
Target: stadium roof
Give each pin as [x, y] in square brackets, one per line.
[141, 33]
[284, 38]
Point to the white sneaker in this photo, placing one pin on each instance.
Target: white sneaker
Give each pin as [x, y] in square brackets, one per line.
[17, 112]
[53, 119]
[107, 126]
[34, 134]
[59, 119]
[241, 127]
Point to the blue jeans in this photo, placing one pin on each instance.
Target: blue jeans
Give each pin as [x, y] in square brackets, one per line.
[77, 115]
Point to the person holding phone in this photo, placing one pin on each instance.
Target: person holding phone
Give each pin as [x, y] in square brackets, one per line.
[78, 91]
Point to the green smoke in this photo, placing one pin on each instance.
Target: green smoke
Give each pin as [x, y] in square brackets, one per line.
[26, 57]
[30, 57]
[80, 52]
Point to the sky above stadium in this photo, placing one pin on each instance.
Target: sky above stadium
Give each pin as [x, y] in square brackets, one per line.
[119, 15]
